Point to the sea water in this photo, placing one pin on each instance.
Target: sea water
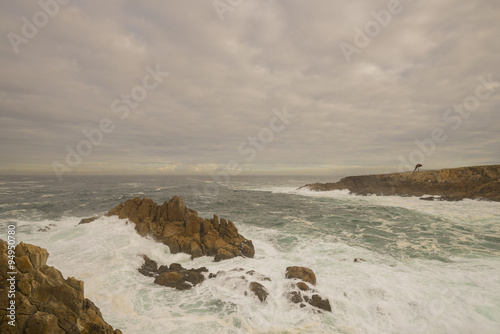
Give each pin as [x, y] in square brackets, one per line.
[430, 267]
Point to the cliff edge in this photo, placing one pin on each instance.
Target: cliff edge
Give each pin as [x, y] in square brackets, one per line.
[478, 182]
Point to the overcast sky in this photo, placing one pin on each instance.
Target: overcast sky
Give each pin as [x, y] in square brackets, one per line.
[233, 66]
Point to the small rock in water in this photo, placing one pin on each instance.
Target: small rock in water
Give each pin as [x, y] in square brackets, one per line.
[259, 290]
[87, 220]
[303, 286]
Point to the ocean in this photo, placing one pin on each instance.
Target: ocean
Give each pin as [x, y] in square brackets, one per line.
[430, 267]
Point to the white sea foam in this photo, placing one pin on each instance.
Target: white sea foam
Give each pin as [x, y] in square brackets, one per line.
[381, 295]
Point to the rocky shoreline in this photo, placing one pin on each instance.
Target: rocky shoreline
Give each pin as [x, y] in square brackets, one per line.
[451, 184]
[45, 302]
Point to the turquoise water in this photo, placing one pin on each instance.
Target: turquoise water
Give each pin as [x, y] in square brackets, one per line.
[431, 267]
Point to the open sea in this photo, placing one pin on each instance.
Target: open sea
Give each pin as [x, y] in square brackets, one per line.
[430, 267]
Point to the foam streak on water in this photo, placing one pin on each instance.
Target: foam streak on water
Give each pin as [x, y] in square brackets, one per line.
[431, 267]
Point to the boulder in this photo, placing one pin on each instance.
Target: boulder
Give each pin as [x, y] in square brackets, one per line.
[182, 230]
[46, 302]
[259, 290]
[303, 286]
[302, 273]
[317, 301]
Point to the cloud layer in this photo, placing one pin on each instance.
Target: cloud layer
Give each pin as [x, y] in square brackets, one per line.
[227, 76]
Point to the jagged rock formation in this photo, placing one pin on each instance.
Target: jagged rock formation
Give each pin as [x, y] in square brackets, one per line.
[45, 302]
[301, 291]
[479, 182]
[182, 230]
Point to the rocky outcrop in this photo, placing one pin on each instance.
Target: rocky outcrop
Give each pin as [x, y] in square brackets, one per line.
[301, 291]
[480, 182]
[173, 276]
[182, 230]
[45, 302]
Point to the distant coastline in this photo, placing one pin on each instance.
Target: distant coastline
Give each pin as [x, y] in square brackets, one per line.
[476, 182]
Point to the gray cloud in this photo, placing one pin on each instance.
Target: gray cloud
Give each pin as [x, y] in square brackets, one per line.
[225, 78]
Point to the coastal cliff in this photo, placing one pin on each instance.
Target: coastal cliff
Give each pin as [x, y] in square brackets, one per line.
[478, 182]
[44, 301]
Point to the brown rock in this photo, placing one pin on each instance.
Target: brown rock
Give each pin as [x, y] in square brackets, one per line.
[247, 248]
[43, 323]
[223, 254]
[176, 267]
[295, 297]
[259, 290]
[192, 224]
[149, 268]
[45, 301]
[195, 250]
[303, 286]
[176, 276]
[87, 220]
[37, 255]
[320, 303]
[194, 277]
[176, 209]
[182, 230]
[303, 273]
[170, 279]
